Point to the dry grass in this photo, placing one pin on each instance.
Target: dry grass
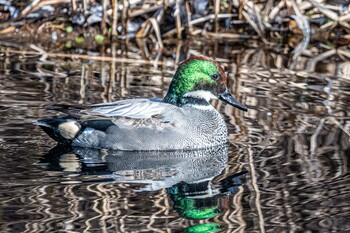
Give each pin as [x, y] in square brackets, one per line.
[269, 20]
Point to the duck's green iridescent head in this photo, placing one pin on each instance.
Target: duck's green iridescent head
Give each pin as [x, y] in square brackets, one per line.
[202, 78]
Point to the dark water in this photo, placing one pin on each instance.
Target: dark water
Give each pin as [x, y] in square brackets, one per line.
[284, 170]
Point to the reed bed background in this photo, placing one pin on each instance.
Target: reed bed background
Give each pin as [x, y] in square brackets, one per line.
[317, 30]
[293, 22]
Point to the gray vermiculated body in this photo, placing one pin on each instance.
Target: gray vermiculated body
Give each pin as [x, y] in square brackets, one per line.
[185, 127]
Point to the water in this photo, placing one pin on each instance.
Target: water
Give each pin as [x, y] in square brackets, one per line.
[284, 170]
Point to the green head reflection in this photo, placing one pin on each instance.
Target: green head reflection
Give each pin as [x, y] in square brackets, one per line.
[204, 228]
[195, 209]
[201, 200]
[191, 202]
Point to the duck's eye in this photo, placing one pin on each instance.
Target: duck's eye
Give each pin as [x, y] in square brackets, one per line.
[215, 77]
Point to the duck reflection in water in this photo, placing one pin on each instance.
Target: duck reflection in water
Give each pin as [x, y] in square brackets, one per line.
[186, 175]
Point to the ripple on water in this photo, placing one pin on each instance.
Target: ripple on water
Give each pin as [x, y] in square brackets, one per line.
[286, 168]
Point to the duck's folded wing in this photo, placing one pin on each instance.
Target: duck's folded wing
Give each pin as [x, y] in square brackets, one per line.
[132, 108]
[132, 112]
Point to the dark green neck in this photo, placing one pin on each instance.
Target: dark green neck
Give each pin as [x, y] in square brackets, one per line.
[172, 97]
[178, 87]
[185, 100]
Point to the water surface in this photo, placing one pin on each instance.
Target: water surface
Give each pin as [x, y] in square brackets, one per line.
[284, 170]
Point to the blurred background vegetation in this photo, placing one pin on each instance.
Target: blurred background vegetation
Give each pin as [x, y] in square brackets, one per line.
[295, 24]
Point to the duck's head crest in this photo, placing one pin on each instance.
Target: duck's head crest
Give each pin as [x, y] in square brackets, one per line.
[200, 77]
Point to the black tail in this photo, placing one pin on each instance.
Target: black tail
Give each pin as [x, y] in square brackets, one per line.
[61, 128]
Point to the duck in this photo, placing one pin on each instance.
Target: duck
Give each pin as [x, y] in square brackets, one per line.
[183, 120]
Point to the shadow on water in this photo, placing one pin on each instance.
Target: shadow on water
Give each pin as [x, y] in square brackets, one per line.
[185, 175]
[293, 142]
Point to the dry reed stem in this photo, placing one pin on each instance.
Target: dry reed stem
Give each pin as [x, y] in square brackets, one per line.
[198, 21]
[228, 35]
[135, 13]
[189, 16]
[85, 7]
[145, 30]
[276, 10]
[216, 12]
[104, 17]
[115, 17]
[330, 14]
[125, 17]
[178, 20]
[305, 28]
[8, 30]
[37, 4]
[74, 5]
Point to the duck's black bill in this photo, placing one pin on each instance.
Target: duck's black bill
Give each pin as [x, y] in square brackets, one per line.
[228, 98]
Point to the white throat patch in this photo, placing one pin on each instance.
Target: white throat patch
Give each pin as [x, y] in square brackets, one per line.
[207, 95]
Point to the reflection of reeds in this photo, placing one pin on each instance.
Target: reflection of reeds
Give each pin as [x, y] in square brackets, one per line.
[294, 142]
